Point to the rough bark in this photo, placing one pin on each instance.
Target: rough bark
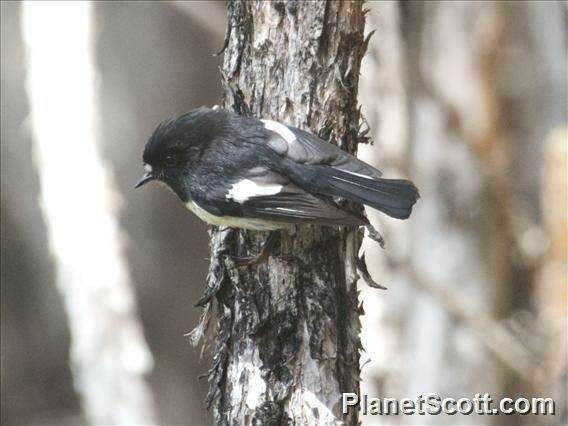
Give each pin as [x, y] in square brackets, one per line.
[287, 340]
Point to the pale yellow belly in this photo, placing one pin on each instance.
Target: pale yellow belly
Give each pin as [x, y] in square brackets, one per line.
[235, 222]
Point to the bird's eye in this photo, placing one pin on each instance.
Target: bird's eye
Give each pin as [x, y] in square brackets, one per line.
[170, 160]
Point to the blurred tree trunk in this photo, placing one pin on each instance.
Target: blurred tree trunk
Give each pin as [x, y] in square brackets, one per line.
[288, 332]
[109, 354]
[478, 143]
[484, 90]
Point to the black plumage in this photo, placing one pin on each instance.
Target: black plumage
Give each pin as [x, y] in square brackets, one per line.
[260, 174]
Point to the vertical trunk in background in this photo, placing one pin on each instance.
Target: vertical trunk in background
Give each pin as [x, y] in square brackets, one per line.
[551, 291]
[447, 110]
[485, 84]
[417, 336]
[550, 91]
[109, 355]
[288, 332]
[481, 110]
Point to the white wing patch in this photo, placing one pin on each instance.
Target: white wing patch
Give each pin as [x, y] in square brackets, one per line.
[281, 129]
[246, 188]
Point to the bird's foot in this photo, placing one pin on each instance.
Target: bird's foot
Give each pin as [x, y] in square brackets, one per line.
[288, 258]
[364, 273]
[257, 260]
[262, 257]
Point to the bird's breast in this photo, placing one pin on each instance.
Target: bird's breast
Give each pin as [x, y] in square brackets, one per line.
[235, 222]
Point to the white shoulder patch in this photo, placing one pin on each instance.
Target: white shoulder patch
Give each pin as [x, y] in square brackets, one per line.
[281, 129]
[246, 189]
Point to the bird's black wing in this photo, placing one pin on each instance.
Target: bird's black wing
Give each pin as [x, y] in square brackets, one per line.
[323, 168]
[260, 193]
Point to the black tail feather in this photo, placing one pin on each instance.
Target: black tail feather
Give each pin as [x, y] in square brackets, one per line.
[395, 197]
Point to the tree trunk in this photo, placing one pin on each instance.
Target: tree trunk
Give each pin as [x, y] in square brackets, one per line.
[287, 340]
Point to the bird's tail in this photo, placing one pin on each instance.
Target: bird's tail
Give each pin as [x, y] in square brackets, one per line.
[394, 197]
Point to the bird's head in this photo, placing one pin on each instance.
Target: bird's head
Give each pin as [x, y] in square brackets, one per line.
[173, 149]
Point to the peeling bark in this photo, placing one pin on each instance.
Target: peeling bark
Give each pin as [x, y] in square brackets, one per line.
[287, 341]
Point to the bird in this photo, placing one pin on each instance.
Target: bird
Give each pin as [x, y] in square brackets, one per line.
[258, 174]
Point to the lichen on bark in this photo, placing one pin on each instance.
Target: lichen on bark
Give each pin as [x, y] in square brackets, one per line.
[287, 333]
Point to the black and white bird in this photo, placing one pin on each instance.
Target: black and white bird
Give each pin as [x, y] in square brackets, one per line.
[258, 174]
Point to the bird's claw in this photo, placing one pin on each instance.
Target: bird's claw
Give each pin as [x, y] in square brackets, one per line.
[260, 259]
[242, 261]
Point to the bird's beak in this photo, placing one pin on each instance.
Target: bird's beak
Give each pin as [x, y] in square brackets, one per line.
[146, 177]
